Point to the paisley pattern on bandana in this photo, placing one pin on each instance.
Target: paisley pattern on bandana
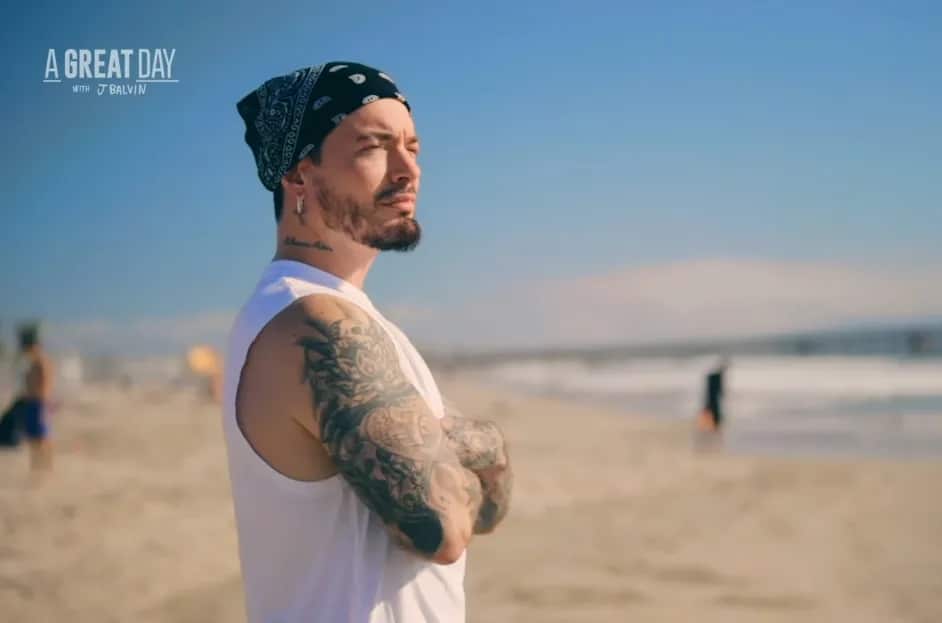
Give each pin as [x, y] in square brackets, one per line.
[283, 125]
[281, 103]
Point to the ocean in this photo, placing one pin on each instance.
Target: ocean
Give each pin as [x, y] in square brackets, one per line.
[866, 392]
[871, 392]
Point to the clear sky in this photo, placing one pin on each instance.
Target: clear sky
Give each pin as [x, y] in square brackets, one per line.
[576, 147]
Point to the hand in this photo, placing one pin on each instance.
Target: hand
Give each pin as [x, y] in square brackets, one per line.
[480, 445]
[481, 448]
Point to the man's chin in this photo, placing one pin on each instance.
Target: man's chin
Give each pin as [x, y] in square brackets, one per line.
[403, 234]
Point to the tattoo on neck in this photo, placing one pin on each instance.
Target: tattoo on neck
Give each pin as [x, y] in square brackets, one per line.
[291, 241]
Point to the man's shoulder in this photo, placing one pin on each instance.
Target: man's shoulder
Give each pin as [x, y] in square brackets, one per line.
[323, 314]
[330, 307]
[320, 308]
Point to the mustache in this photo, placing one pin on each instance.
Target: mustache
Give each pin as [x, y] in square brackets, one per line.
[389, 193]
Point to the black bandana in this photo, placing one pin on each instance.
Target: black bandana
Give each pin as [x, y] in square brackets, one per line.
[290, 116]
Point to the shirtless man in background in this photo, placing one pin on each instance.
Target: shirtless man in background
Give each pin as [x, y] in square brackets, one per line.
[32, 402]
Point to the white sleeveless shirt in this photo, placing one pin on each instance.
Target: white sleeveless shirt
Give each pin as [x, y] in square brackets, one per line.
[312, 551]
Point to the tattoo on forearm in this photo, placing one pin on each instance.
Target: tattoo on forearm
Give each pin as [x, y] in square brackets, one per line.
[379, 431]
[481, 448]
[291, 241]
[478, 444]
[491, 513]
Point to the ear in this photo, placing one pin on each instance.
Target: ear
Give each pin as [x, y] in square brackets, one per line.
[293, 182]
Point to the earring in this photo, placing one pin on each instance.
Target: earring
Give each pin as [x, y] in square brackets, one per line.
[299, 208]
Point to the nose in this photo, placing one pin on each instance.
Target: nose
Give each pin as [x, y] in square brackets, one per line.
[403, 167]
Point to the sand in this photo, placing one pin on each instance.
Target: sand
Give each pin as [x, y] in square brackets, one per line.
[615, 518]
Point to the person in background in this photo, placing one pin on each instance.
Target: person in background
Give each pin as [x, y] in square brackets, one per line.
[32, 400]
[205, 363]
[711, 417]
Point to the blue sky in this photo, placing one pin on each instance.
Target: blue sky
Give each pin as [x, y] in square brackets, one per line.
[562, 145]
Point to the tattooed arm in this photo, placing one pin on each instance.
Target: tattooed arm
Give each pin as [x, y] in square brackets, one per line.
[380, 433]
[481, 448]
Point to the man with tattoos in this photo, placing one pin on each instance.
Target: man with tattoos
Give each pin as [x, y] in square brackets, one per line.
[355, 493]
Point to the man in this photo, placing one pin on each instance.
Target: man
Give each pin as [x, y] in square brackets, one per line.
[355, 494]
[30, 408]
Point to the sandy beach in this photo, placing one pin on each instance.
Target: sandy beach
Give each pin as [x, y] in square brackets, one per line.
[615, 518]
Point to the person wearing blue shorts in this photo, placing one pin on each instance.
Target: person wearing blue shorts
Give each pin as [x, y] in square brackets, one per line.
[32, 402]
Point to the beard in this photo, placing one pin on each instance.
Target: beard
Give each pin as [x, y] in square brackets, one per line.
[349, 216]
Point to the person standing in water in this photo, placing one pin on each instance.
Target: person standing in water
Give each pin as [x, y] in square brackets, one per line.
[712, 414]
[355, 493]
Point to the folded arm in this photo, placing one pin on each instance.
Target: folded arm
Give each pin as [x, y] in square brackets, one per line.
[481, 448]
[380, 433]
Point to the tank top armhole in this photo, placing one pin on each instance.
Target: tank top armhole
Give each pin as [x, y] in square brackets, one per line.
[255, 461]
[259, 466]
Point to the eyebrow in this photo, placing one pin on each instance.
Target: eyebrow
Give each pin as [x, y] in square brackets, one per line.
[381, 135]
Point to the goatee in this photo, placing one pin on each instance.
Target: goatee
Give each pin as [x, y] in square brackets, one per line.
[402, 236]
[350, 217]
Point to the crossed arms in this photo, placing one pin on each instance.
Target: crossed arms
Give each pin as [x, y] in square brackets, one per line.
[433, 482]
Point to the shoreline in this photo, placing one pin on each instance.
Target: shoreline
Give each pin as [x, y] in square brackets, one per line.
[849, 436]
